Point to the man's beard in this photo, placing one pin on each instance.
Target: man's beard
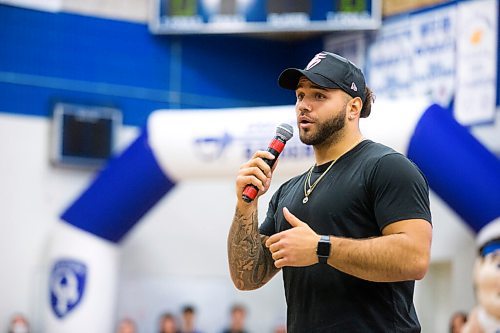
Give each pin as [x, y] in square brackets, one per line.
[328, 132]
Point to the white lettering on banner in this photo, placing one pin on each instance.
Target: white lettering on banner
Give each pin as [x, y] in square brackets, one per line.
[182, 22]
[415, 56]
[389, 64]
[433, 36]
[288, 19]
[347, 18]
[227, 19]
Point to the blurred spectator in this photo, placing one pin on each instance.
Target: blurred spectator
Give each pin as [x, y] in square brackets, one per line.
[168, 323]
[19, 324]
[238, 316]
[126, 325]
[188, 320]
[280, 328]
[457, 321]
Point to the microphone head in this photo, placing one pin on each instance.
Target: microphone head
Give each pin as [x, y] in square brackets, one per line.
[284, 131]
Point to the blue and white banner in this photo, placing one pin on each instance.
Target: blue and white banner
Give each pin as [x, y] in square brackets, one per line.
[477, 53]
[433, 35]
[414, 56]
[389, 62]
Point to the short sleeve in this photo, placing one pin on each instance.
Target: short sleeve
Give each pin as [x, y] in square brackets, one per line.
[268, 227]
[400, 191]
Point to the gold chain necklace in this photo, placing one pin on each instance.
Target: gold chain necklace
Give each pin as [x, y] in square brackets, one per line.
[308, 191]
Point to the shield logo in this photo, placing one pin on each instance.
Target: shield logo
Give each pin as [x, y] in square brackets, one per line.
[67, 285]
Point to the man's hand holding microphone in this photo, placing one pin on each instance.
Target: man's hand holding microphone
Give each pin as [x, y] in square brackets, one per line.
[254, 177]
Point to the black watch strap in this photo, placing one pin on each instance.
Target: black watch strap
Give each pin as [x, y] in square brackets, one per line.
[323, 250]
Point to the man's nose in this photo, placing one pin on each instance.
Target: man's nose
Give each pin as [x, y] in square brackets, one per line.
[303, 106]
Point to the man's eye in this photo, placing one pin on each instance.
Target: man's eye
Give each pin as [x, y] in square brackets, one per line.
[320, 96]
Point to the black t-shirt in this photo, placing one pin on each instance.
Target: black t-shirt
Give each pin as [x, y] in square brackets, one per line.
[368, 188]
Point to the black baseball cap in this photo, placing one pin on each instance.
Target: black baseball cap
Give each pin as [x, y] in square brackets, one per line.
[328, 70]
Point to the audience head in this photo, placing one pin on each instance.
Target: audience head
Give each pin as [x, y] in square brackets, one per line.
[457, 321]
[126, 325]
[238, 316]
[19, 324]
[188, 317]
[168, 323]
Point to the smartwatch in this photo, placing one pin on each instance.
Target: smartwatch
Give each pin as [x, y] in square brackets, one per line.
[323, 250]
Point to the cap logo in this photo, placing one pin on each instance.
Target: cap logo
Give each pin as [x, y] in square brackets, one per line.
[354, 87]
[316, 60]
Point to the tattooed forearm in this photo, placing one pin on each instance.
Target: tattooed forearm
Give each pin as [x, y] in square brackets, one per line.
[250, 262]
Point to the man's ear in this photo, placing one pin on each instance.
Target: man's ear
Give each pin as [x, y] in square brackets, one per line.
[354, 108]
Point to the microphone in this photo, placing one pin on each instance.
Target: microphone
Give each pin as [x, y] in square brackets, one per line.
[284, 132]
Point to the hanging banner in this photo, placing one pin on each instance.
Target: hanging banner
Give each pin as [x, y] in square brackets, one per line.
[475, 100]
[351, 46]
[433, 62]
[414, 55]
[389, 64]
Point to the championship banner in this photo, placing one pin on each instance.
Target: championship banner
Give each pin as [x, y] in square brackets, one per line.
[477, 55]
[414, 56]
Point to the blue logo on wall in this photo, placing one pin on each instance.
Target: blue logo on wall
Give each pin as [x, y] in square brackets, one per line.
[67, 285]
[211, 148]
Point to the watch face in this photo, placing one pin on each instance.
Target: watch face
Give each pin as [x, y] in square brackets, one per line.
[323, 249]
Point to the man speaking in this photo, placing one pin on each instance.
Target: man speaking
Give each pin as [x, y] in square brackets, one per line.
[353, 232]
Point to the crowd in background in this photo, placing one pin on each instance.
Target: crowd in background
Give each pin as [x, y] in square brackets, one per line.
[168, 323]
[186, 322]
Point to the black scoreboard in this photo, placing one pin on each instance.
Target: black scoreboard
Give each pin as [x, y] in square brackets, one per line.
[263, 16]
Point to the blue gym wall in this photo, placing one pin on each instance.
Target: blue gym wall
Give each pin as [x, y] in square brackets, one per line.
[51, 57]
